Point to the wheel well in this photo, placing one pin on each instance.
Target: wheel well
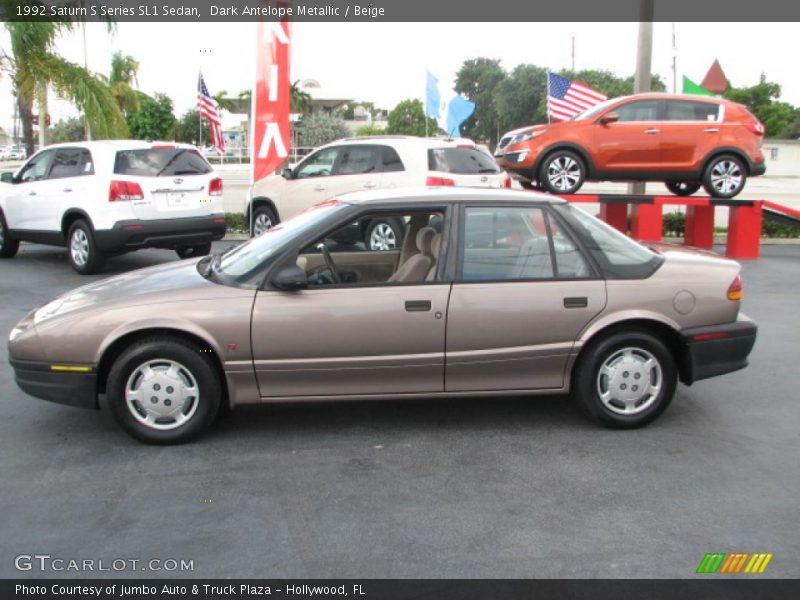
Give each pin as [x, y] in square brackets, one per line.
[119, 345]
[70, 217]
[716, 154]
[258, 202]
[582, 154]
[663, 332]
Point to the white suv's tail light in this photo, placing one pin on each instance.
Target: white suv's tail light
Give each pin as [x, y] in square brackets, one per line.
[215, 187]
[124, 190]
[437, 181]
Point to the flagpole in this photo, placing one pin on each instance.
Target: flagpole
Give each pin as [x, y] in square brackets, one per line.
[547, 106]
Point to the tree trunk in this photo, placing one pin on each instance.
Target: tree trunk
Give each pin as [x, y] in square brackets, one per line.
[41, 99]
[25, 106]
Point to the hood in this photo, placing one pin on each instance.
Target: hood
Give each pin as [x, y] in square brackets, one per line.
[128, 287]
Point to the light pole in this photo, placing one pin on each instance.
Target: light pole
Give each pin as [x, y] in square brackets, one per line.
[644, 59]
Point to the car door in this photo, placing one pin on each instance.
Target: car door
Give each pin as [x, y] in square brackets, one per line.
[357, 168]
[309, 184]
[352, 339]
[66, 186]
[630, 144]
[523, 292]
[28, 206]
[690, 130]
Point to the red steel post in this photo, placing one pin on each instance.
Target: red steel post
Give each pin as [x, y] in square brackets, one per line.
[699, 226]
[744, 231]
[615, 214]
[647, 222]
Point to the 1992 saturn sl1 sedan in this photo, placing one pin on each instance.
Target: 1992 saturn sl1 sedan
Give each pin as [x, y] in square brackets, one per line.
[490, 293]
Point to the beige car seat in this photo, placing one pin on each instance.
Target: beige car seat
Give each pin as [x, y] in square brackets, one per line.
[417, 266]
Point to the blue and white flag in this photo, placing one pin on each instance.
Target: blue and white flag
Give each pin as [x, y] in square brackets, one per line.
[448, 108]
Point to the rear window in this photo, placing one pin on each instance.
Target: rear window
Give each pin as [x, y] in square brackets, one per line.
[461, 161]
[160, 162]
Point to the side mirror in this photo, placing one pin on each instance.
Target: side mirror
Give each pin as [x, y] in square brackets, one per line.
[611, 117]
[290, 279]
[287, 173]
[7, 177]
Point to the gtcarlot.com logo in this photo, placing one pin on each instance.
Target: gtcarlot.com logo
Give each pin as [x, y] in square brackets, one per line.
[734, 563]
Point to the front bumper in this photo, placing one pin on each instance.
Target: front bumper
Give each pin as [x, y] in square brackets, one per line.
[717, 349]
[61, 383]
[160, 233]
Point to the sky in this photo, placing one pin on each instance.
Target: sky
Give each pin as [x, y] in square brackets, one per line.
[386, 62]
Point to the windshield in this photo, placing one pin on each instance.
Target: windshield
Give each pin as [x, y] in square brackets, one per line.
[619, 256]
[594, 110]
[245, 263]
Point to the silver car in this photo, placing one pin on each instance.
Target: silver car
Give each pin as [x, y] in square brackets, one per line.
[490, 292]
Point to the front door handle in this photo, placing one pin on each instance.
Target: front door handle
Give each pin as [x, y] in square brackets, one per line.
[711, 130]
[370, 185]
[418, 305]
[576, 302]
[31, 193]
[67, 189]
[319, 188]
[651, 131]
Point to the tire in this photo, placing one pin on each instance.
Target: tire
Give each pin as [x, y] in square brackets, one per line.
[8, 245]
[193, 251]
[612, 367]
[263, 218]
[683, 188]
[384, 234]
[172, 366]
[82, 251]
[530, 185]
[724, 176]
[562, 172]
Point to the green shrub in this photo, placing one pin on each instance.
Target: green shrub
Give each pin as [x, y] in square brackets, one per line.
[674, 225]
[236, 223]
[776, 229]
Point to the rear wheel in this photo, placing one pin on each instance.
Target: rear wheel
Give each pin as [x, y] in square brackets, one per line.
[683, 188]
[562, 172]
[263, 219]
[193, 251]
[724, 176]
[384, 234]
[8, 245]
[530, 185]
[82, 251]
[164, 391]
[625, 380]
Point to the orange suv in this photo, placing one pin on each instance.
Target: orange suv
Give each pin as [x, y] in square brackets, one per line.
[685, 141]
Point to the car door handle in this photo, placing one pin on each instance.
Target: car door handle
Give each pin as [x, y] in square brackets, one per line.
[711, 130]
[418, 305]
[319, 188]
[370, 185]
[31, 193]
[67, 189]
[651, 131]
[576, 302]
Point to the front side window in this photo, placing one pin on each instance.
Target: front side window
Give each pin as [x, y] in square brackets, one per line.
[38, 167]
[319, 164]
[638, 110]
[688, 110]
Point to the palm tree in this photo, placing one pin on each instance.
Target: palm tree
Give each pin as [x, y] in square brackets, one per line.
[123, 82]
[34, 65]
[224, 102]
[301, 100]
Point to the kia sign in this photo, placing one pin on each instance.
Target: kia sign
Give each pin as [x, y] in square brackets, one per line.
[271, 98]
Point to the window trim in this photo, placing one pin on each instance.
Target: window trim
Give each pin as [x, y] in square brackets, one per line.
[546, 208]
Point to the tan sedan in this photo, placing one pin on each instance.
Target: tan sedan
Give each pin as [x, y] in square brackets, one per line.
[490, 293]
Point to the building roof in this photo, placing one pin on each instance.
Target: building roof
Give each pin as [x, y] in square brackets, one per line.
[715, 80]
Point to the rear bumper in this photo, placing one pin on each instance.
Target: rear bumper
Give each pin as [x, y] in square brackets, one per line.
[758, 169]
[161, 233]
[717, 349]
[73, 388]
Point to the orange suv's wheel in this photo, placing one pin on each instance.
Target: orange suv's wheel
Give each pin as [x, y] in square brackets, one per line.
[562, 172]
[724, 176]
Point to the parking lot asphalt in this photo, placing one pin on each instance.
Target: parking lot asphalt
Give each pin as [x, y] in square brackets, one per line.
[518, 488]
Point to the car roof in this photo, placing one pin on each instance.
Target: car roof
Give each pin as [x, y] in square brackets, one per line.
[446, 194]
[668, 96]
[406, 140]
[116, 145]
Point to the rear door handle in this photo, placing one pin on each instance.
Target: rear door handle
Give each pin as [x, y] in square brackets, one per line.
[711, 130]
[370, 185]
[67, 189]
[418, 305]
[319, 188]
[31, 193]
[576, 302]
[651, 131]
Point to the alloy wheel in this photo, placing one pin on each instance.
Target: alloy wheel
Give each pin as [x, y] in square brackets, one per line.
[726, 176]
[261, 223]
[563, 173]
[382, 237]
[79, 247]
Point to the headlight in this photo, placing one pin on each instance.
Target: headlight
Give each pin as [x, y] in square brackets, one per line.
[524, 137]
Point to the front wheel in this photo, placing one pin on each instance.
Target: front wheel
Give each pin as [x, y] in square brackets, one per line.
[625, 380]
[562, 172]
[8, 245]
[724, 176]
[164, 391]
[263, 219]
[682, 188]
[193, 251]
[82, 251]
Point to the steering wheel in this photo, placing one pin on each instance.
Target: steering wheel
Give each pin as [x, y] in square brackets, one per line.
[326, 254]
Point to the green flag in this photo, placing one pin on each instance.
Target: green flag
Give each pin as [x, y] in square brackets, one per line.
[690, 87]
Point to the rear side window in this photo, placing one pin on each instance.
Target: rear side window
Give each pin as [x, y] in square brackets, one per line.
[68, 162]
[160, 162]
[687, 110]
[355, 160]
[461, 161]
[391, 161]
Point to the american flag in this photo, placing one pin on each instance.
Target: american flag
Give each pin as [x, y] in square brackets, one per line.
[208, 110]
[567, 98]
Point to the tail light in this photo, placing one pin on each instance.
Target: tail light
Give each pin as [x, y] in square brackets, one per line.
[735, 289]
[436, 181]
[755, 127]
[507, 183]
[124, 190]
[215, 187]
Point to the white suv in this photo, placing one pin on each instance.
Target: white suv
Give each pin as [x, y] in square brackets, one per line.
[367, 163]
[111, 197]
